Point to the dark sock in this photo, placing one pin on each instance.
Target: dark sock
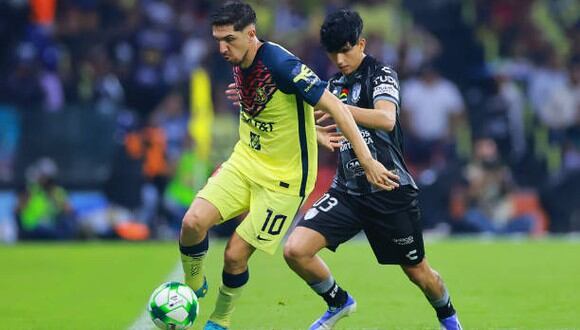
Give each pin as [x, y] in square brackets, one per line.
[445, 310]
[235, 280]
[335, 296]
[196, 250]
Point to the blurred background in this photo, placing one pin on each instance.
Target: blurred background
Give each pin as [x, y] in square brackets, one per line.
[113, 115]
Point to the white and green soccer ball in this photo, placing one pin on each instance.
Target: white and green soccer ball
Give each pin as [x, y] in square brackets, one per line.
[173, 306]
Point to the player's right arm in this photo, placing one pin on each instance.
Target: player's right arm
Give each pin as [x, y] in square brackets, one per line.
[375, 172]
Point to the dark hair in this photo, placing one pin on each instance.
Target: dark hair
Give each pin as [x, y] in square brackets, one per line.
[234, 13]
[339, 29]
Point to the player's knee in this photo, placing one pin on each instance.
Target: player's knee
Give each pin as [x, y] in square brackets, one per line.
[193, 222]
[419, 274]
[294, 252]
[234, 261]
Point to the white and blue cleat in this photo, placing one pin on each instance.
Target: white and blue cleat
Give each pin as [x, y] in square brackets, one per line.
[334, 314]
[450, 323]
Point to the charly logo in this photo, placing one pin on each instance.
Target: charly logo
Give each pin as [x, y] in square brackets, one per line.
[355, 92]
[261, 96]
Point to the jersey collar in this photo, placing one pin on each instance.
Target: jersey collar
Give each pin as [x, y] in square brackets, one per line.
[358, 73]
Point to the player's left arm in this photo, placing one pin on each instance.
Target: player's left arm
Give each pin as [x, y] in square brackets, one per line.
[384, 86]
[383, 116]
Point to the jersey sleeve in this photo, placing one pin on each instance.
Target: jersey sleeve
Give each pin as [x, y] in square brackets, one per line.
[385, 86]
[294, 77]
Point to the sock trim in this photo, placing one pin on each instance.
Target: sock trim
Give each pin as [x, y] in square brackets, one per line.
[235, 280]
[196, 250]
[441, 302]
[322, 286]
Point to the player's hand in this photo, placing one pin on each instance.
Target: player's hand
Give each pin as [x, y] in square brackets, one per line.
[328, 137]
[321, 116]
[379, 176]
[233, 94]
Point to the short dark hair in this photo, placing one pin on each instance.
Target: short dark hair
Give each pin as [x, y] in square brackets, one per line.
[234, 13]
[339, 29]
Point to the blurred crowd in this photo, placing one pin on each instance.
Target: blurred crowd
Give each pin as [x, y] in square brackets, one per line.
[490, 109]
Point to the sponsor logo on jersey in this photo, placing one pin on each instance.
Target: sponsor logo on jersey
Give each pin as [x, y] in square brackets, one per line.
[353, 166]
[386, 89]
[386, 79]
[366, 135]
[302, 72]
[263, 126]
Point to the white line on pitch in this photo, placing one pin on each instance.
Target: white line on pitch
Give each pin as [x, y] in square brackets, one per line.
[143, 322]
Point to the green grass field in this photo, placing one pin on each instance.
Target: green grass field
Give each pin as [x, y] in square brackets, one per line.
[494, 285]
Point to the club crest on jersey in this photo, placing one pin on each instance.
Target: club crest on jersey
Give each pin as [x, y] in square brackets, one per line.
[255, 141]
[355, 92]
[261, 96]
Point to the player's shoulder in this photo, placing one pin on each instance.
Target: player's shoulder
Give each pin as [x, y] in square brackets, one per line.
[335, 78]
[274, 54]
[380, 69]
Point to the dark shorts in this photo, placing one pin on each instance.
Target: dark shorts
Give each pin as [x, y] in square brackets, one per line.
[396, 238]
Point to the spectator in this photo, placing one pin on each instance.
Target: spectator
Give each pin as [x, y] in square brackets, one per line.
[562, 109]
[547, 78]
[171, 117]
[189, 175]
[22, 86]
[432, 106]
[489, 185]
[43, 210]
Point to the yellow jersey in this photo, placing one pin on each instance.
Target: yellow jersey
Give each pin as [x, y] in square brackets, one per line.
[277, 147]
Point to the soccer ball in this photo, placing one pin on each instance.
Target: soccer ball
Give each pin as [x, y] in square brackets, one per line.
[173, 306]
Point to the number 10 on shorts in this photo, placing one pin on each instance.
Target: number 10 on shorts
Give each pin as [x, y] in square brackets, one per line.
[273, 224]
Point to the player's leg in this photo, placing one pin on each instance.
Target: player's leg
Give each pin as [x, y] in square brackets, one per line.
[225, 195]
[193, 242]
[235, 275]
[397, 239]
[269, 219]
[328, 223]
[300, 254]
[432, 285]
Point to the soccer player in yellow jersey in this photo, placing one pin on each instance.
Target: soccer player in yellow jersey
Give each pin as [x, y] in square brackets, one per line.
[273, 166]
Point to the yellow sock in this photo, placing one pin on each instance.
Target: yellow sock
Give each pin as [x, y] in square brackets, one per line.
[225, 305]
[193, 269]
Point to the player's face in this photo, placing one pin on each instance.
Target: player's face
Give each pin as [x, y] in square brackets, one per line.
[233, 45]
[349, 57]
